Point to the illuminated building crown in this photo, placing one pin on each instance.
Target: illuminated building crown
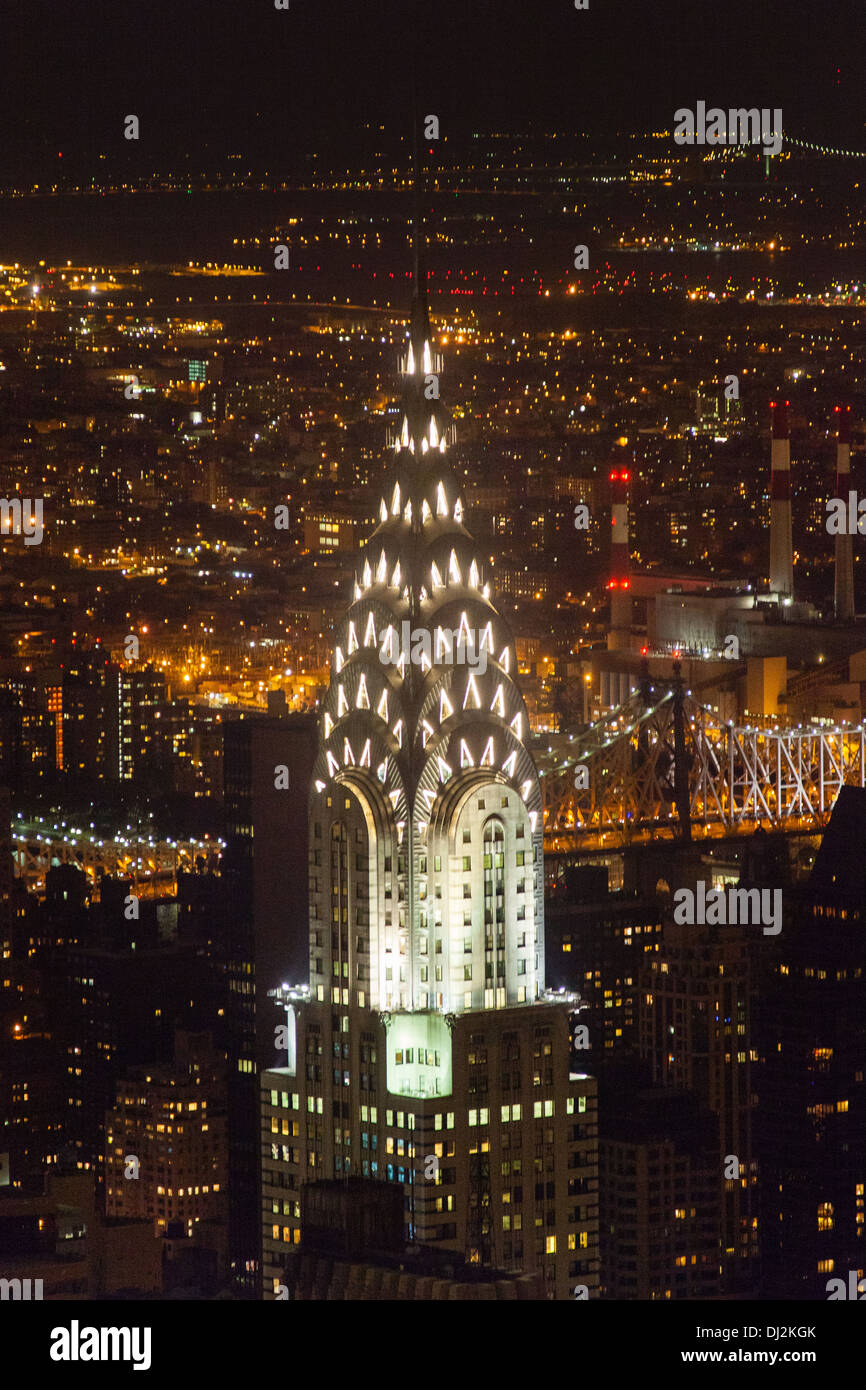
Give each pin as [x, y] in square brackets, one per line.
[423, 776]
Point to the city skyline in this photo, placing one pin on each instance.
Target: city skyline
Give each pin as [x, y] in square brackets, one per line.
[262, 86]
[433, 661]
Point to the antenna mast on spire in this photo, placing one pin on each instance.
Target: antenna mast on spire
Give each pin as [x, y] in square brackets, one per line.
[420, 325]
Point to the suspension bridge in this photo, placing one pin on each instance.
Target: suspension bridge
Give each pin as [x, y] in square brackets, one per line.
[663, 766]
[152, 865]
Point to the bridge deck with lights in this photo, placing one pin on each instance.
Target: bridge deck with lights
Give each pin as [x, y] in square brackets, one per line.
[738, 778]
[152, 865]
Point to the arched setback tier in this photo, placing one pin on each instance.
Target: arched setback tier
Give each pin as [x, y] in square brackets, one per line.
[359, 890]
[483, 879]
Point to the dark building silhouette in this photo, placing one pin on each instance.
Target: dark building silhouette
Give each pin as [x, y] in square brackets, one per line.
[91, 715]
[597, 943]
[696, 1030]
[354, 1248]
[268, 763]
[811, 1120]
[115, 997]
[27, 731]
[659, 1196]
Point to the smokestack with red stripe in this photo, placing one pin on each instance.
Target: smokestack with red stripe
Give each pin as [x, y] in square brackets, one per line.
[781, 547]
[844, 595]
[619, 584]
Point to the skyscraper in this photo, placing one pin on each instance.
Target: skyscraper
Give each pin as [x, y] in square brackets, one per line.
[811, 1113]
[696, 1032]
[425, 1050]
[265, 910]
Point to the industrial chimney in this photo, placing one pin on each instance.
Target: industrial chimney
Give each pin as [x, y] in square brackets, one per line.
[619, 584]
[844, 594]
[781, 546]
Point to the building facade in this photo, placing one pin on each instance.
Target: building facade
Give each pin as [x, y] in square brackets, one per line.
[172, 1122]
[696, 1032]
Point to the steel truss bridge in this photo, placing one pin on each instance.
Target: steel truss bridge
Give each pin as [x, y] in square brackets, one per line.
[152, 865]
[662, 766]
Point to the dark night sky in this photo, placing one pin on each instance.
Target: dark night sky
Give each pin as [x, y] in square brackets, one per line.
[219, 75]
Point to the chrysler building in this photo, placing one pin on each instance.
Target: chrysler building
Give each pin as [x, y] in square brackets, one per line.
[425, 1042]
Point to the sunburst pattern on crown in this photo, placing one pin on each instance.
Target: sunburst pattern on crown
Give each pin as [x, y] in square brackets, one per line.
[410, 728]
